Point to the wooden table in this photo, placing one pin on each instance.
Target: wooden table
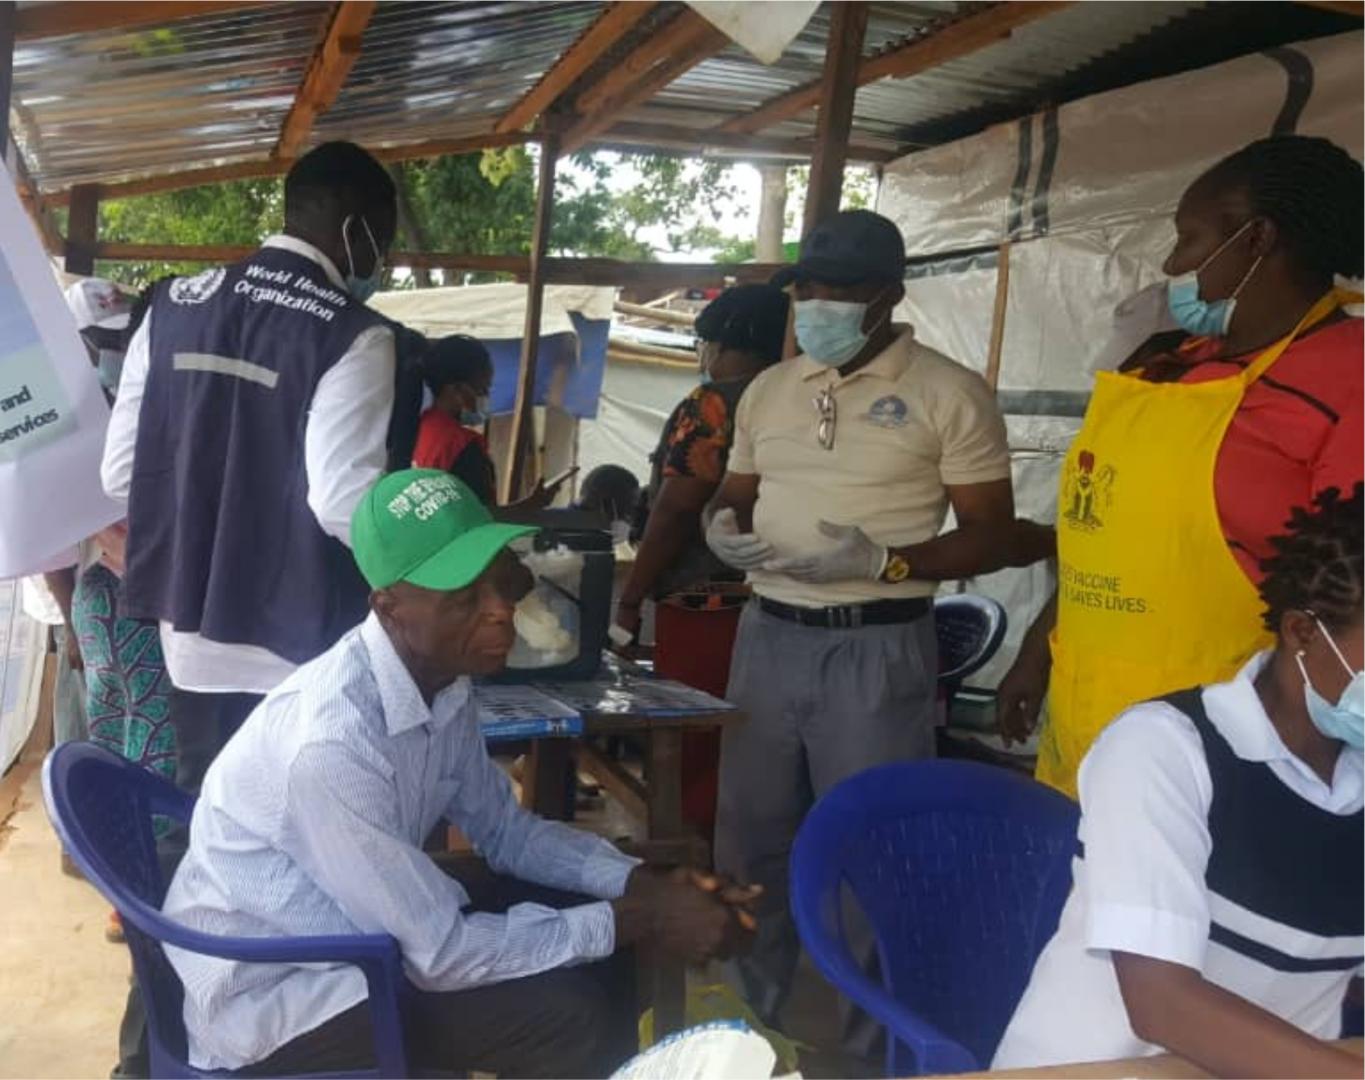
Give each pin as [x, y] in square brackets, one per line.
[657, 801]
[1159, 1067]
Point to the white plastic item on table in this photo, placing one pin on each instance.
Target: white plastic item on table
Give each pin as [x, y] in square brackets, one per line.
[722, 1050]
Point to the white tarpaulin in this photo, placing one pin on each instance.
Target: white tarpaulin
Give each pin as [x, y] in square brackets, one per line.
[765, 30]
[492, 312]
[52, 412]
[1085, 193]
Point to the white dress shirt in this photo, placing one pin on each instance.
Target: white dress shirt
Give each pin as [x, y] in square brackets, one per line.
[1145, 794]
[344, 453]
[311, 821]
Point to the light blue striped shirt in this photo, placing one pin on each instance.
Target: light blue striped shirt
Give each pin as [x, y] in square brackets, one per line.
[311, 821]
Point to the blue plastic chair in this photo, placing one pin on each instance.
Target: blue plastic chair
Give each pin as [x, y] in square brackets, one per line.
[102, 808]
[970, 629]
[961, 869]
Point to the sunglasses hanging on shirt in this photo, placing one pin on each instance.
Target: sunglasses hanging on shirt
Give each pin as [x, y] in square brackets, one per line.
[827, 412]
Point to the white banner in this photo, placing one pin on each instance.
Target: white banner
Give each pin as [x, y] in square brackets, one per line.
[52, 412]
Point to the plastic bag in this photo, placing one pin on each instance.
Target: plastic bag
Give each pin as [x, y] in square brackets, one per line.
[720, 1002]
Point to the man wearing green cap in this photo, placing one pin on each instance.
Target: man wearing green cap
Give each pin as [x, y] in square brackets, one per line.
[311, 822]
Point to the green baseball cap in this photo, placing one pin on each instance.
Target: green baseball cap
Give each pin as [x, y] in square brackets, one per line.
[427, 528]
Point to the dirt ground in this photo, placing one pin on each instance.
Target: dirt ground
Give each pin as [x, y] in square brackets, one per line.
[63, 986]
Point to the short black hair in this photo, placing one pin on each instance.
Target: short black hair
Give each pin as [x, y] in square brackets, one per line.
[336, 177]
[748, 317]
[455, 358]
[1311, 189]
[1317, 564]
[613, 489]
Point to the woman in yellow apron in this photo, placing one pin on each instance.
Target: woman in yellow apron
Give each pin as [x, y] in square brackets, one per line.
[1184, 468]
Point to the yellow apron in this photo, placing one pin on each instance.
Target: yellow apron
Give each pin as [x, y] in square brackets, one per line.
[1149, 598]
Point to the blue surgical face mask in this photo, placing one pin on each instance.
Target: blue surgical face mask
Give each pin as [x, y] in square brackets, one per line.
[1346, 719]
[110, 369]
[707, 351]
[831, 332]
[1205, 318]
[362, 288]
[477, 416]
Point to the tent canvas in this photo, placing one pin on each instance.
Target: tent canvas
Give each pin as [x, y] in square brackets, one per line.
[1085, 195]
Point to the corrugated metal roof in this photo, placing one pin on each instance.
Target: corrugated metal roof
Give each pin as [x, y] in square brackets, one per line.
[198, 91]
[443, 70]
[214, 89]
[1032, 57]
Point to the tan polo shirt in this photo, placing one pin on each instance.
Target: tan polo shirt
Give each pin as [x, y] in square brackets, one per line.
[908, 423]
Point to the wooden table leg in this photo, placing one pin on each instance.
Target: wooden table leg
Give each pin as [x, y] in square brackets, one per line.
[545, 781]
[665, 823]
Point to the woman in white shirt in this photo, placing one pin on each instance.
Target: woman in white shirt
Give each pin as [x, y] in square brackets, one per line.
[1217, 905]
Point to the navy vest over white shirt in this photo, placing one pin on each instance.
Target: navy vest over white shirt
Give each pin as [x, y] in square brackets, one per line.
[221, 540]
[1283, 875]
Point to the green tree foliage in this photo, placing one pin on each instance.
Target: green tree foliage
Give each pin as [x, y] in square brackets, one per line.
[624, 206]
[238, 212]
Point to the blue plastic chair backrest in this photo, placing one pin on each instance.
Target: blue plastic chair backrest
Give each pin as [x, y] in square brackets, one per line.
[970, 629]
[962, 870]
[102, 807]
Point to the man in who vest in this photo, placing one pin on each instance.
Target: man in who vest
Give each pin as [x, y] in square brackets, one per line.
[251, 417]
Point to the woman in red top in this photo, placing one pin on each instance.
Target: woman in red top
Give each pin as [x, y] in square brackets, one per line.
[459, 374]
[1260, 239]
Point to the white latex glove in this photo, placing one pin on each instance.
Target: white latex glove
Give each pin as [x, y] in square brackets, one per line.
[854, 557]
[743, 551]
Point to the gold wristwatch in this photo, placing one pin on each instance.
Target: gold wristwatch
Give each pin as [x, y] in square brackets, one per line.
[897, 569]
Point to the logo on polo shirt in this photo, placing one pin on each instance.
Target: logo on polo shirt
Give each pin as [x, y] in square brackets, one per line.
[197, 289]
[1087, 492]
[887, 412]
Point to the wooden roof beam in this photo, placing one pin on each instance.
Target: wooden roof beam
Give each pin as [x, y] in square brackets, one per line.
[670, 52]
[39, 21]
[718, 143]
[951, 42]
[327, 71]
[262, 167]
[611, 26]
[1352, 8]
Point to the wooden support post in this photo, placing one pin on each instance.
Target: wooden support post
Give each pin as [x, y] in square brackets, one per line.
[664, 778]
[843, 54]
[1002, 294]
[523, 416]
[7, 16]
[82, 229]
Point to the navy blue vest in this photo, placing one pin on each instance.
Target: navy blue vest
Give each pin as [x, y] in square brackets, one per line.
[221, 540]
[1296, 867]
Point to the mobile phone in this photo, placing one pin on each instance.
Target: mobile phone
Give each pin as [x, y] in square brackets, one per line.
[559, 478]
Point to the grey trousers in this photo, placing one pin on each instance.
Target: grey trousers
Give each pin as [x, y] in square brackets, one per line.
[820, 705]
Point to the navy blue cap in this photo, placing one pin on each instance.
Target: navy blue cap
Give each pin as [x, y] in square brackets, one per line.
[848, 248]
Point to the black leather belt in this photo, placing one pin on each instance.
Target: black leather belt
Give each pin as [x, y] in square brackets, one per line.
[850, 616]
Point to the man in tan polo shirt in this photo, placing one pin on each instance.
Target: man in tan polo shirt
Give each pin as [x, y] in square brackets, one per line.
[845, 462]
